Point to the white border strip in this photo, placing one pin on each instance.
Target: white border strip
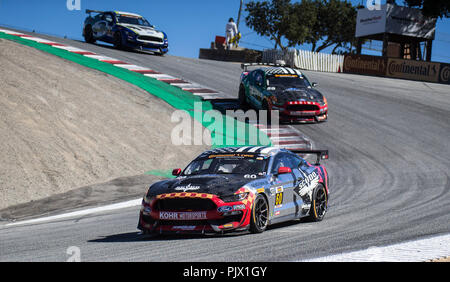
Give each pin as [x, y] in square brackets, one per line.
[412, 251]
[117, 206]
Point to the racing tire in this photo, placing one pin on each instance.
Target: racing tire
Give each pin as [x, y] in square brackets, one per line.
[161, 53]
[88, 35]
[259, 215]
[242, 99]
[319, 204]
[118, 41]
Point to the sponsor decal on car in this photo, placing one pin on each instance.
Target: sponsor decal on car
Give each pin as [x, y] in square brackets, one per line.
[182, 215]
[189, 187]
[225, 209]
[307, 184]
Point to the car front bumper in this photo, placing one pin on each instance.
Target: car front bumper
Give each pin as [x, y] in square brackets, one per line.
[302, 111]
[222, 217]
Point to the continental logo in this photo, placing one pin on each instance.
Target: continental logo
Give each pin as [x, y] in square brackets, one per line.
[444, 75]
[415, 70]
[363, 64]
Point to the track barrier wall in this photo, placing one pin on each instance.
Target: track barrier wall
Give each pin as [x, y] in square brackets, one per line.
[361, 64]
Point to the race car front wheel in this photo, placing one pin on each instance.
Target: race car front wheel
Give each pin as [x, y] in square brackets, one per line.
[260, 215]
[118, 40]
[319, 203]
[242, 99]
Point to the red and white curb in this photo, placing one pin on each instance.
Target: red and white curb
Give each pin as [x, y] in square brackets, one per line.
[286, 137]
[283, 136]
[196, 89]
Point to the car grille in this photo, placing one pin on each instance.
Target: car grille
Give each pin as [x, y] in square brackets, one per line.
[185, 204]
[303, 107]
[150, 38]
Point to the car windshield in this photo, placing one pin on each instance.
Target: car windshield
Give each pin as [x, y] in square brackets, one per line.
[287, 81]
[254, 165]
[127, 19]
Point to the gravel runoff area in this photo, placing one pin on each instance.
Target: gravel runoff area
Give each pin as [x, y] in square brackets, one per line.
[64, 126]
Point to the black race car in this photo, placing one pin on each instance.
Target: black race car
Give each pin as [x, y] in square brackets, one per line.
[284, 89]
[237, 189]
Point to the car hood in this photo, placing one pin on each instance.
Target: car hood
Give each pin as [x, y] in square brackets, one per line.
[220, 185]
[143, 30]
[297, 94]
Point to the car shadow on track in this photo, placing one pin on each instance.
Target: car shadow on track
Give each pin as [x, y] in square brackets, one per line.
[110, 46]
[139, 237]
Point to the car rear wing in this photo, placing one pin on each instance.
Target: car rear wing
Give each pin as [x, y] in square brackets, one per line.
[246, 65]
[93, 11]
[321, 154]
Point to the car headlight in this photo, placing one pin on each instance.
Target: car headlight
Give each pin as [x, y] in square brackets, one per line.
[235, 197]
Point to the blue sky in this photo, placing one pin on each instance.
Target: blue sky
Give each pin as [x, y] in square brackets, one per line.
[190, 24]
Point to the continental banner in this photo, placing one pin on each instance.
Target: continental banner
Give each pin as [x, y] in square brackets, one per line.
[444, 74]
[364, 64]
[414, 70]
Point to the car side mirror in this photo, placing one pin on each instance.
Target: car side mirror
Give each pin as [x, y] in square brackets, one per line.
[176, 172]
[284, 170]
[315, 84]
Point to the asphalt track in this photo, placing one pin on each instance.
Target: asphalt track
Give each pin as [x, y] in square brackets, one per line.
[389, 178]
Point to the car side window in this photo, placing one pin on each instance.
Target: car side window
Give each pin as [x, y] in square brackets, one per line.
[303, 165]
[295, 161]
[281, 160]
[259, 78]
[109, 18]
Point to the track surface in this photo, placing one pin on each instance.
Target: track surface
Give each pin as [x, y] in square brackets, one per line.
[389, 176]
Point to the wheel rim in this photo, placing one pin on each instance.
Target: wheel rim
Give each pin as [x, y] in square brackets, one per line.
[320, 203]
[261, 214]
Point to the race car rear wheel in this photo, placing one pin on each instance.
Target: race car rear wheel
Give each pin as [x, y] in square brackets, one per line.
[319, 203]
[260, 215]
[88, 34]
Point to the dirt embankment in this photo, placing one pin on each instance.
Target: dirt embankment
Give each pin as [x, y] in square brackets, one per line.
[63, 126]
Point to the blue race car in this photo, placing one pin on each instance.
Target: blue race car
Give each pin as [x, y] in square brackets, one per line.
[124, 30]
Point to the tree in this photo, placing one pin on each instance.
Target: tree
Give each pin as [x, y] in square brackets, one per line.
[304, 26]
[337, 23]
[320, 23]
[270, 19]
[431, 8]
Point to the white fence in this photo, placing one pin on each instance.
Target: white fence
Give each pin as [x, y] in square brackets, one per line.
[306, 60]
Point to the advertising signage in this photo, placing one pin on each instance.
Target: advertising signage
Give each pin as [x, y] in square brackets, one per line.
[395, 19]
